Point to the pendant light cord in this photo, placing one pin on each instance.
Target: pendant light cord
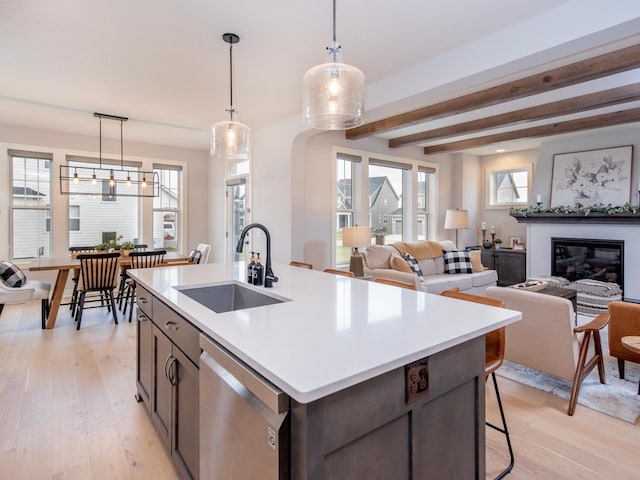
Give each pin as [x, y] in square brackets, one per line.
[334, 46]
[231, 109]
[100, 142]
[121, 155]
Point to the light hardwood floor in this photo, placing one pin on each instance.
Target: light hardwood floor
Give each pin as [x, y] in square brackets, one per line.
[67, 412]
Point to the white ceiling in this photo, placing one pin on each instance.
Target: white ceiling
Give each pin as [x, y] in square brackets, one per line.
[163, 63]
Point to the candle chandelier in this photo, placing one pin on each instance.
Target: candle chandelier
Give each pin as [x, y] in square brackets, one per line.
[110, 179]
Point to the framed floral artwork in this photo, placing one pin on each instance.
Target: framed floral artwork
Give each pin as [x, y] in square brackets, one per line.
[592, 177]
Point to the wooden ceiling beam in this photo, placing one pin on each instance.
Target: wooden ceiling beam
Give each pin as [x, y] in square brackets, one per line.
[587, 123]
[597, 67]
[582, 103]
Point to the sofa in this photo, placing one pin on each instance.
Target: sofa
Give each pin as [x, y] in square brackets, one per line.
[389, 262]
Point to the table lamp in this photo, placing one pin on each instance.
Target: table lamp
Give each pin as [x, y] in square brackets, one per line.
[455, 220]
[356, 237]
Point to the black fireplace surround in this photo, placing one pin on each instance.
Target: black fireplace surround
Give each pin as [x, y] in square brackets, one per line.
[586, 258]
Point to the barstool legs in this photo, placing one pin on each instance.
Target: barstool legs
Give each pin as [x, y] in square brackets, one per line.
[503, 430]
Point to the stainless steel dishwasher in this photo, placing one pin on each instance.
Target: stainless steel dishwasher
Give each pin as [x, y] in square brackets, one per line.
[244, 422]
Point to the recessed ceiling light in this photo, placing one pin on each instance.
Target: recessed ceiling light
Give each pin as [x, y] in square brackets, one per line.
[500, 150]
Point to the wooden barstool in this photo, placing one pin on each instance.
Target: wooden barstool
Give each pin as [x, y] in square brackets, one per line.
[344, 273]
[494, 357]
[395, 283]
[293, 263]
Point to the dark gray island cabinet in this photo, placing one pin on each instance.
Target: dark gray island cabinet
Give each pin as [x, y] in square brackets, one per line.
[371, 431]
[424, 420]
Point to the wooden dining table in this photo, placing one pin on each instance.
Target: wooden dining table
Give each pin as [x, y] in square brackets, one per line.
[64, 264]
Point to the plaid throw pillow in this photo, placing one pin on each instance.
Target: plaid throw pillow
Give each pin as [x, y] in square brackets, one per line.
[11, 275]
[413, 265]
[457, 261]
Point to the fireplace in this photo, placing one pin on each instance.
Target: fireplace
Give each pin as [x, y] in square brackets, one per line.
[585, 258]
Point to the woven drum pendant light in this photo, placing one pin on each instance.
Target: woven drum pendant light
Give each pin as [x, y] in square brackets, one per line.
[333, 92]
[230, 139]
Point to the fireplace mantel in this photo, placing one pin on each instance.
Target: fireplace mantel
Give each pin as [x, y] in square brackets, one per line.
[552, 217]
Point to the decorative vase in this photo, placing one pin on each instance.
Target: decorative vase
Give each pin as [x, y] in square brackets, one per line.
[125, 253]
[487, 244]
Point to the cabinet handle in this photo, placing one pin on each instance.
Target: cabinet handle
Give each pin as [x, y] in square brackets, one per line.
[172, 371]
[166, 364]
[142, 317]
[171, 325]
[143, 300]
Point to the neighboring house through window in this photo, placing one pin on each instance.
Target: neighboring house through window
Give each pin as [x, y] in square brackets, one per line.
[167, 208]
[30, 204]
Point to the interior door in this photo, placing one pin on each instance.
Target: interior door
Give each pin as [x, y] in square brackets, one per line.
[238, 214]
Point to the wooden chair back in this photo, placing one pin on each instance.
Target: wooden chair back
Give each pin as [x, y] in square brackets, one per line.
[395, 283]
[98, 271]
[293, 263]
[495, 341]
[344, 273]
[147, 259]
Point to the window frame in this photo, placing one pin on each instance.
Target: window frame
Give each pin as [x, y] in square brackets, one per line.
[491, 187]
[46, 208]
[177, 211]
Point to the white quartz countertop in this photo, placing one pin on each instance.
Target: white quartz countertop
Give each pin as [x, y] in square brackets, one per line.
[334, 332]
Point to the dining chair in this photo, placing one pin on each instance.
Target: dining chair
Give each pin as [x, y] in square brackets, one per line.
[344, 273]
[293, 263]
[140, 247]
[395, 283]
[98, 273]
[74, 251]
[148, 259]
[494, 357]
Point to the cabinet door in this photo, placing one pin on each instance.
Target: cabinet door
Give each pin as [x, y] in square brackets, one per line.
[162, 388]
[511, 268]
[185, 441]
[488, 259]
[144, 368]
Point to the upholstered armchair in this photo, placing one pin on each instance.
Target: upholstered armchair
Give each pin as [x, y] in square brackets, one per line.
[624, 320]
[31, 290]
[547, 339]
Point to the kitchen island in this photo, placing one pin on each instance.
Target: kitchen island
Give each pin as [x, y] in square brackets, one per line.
[364, 380]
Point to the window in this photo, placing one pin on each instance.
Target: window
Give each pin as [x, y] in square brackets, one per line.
[426, 189]
[167, 208]
[508, 187]
[102, 216]
[386, 187]
[345, 207]
[30, 204]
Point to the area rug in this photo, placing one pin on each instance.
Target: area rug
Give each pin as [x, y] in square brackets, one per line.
[618, 398]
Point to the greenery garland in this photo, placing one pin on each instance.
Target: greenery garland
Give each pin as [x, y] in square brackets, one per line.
[578, 208]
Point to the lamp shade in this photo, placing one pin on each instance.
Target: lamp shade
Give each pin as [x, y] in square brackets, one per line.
[456, 219]
[333, 95]
[230, 139]
[356, 236]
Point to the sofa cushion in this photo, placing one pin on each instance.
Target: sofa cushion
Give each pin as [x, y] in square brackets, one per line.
[11, 275]
[429, 266]
[400, 264]
[476, 260]
[457, 261]
[413, 265]
[377, 256]
[484, 278]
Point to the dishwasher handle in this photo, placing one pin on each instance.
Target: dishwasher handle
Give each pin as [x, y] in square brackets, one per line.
[269, 394]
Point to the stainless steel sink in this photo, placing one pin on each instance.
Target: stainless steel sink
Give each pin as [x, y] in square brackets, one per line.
[230, 296]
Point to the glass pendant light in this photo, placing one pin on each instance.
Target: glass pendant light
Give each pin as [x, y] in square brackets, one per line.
[230, 138]
[333, 92]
